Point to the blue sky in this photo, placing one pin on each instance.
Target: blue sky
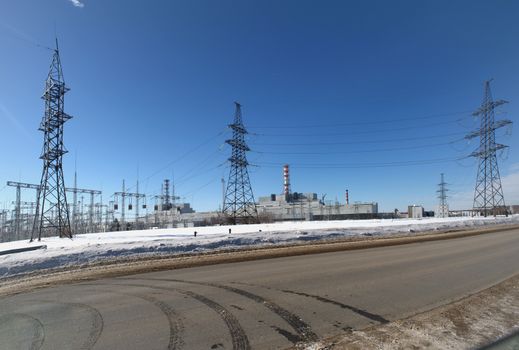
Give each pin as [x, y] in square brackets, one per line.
[343, 91]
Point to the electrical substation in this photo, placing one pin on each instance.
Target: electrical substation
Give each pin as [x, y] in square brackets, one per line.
[57, 210]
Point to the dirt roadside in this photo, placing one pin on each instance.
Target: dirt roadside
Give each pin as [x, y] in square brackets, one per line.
[469, 323]
[122, 267]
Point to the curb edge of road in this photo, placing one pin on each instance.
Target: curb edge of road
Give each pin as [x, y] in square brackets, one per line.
[479, 320]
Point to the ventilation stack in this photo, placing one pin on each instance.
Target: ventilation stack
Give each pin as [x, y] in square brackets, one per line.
[286, 182]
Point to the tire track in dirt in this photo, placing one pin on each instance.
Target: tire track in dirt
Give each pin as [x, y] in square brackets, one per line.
[97, 322]
[304, 330]
[175, 324]
[238, 336]
[358, 311]
[38, 337]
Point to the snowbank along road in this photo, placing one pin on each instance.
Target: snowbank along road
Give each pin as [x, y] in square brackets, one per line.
[266, 304]
[98, 247]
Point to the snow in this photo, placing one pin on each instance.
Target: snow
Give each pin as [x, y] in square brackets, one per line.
[89, 248]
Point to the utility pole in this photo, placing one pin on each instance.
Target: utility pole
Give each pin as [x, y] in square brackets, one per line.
[443, 208]
[74, 190]
[137, 206]
[17, 204]
[488, 193]
[109, 218]
[25, 220]
[223, 193]
[81, 214]
[174, 197]
[92, 194]
[52, 197]
[74, 206]
[123, 196]
[3, 222]
[239, 204]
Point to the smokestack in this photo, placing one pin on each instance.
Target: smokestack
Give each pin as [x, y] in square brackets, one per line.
[286, 182]
[347, 198]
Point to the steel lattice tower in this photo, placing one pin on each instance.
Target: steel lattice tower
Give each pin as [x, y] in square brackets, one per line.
[239, 204]
[443, 209]
[488, 194]
[52, 216]
[167, 199]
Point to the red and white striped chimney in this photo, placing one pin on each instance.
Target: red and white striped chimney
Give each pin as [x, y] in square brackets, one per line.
[286, 181]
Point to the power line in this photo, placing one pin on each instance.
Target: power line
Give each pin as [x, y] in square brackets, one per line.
[198, 168]
[192, 192]
[361, 165]
[361, 142]
[389, 121]
[190, 151]
[24, 37]
[367, 132]
[364, 151]
[205, 172]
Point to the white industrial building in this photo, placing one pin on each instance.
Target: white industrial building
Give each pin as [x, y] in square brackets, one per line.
[307, 206]
[415, 211]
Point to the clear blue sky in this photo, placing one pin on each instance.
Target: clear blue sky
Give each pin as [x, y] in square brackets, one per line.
[331, 82]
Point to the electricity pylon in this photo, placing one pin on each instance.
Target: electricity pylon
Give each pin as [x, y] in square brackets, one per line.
[488, 194]
[52, 216]
[443, 208]
[239, 205]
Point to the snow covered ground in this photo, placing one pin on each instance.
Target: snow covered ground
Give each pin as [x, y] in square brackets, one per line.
[88, 248]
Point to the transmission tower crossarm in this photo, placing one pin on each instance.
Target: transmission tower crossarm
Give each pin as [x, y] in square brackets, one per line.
[488, 107]
[23, 185]
[489, 151]
[82, 190]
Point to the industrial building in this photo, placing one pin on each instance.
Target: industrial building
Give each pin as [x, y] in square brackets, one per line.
[415, 211]
[307, 206]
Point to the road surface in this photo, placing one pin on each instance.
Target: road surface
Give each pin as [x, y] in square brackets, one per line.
[264, 304]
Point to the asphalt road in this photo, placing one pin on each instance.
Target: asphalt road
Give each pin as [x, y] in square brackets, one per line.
[265, 304]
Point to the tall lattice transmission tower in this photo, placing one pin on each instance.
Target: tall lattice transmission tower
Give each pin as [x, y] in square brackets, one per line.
[167, 198]
[443, 208]
[239, 205]
[488, 194]
[52, 216]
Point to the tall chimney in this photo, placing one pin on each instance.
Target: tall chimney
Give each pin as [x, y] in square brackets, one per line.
[347, 198]
[286, 182]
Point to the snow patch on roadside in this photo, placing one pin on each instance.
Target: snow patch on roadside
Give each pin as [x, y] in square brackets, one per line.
[470, 323]
[90, 248]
